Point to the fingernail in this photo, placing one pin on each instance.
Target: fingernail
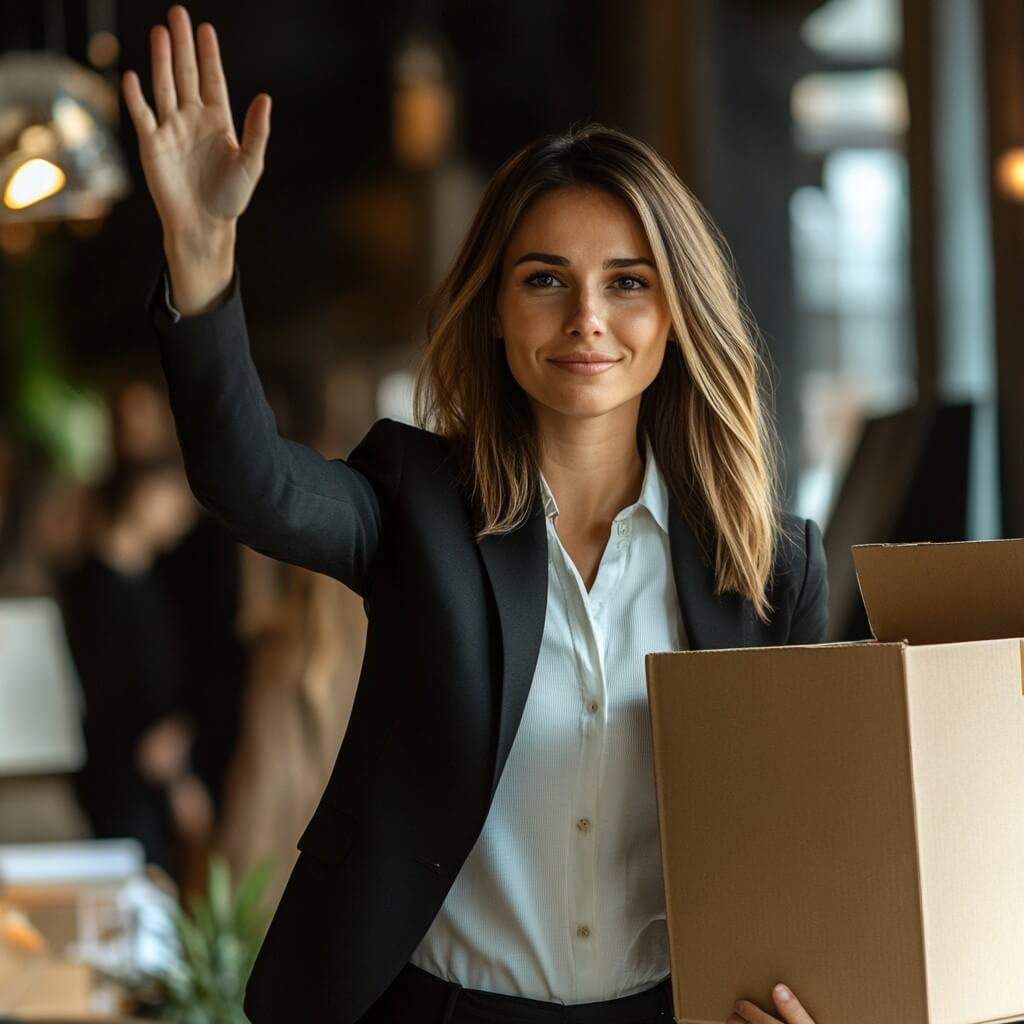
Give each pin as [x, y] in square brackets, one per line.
[782, 992]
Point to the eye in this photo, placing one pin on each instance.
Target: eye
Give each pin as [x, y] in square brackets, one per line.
[638, 283]
[542, 279]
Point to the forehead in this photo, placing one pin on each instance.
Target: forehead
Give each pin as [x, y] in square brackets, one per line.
[587, 222]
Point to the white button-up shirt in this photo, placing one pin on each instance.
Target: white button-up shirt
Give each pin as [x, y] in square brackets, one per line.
[561, 897]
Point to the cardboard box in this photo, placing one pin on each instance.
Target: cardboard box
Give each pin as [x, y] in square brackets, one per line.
[39, 988]
[849, 818]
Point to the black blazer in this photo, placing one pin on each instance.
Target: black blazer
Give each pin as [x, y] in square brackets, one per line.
[454, 632]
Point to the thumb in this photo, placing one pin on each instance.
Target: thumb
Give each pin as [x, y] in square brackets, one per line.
[255, 133]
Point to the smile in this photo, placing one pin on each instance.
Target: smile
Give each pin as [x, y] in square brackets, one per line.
[585, 365]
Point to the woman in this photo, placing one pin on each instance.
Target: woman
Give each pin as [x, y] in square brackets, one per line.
[599, 459]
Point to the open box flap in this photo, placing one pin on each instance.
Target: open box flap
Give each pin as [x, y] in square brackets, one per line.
[943, 593]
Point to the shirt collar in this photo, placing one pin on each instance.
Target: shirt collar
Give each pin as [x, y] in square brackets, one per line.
[653, 493]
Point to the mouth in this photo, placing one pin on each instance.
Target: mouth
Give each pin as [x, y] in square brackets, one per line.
[586, 363]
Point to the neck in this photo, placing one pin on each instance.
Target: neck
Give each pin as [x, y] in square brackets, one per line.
[592, 465]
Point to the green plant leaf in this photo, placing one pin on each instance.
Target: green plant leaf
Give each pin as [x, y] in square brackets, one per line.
[219, 939]
[249, 916]
[220, 892]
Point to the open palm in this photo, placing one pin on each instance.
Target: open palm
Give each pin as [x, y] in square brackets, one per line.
[199, 175]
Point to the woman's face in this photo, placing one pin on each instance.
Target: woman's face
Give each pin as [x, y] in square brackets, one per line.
[580, 306]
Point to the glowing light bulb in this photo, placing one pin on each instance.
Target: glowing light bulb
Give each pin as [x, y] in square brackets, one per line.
[1010, 173]
[103, 49]
[33, 182]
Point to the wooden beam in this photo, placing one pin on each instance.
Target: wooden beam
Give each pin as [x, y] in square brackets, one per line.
[1004, 81]
[918, 57]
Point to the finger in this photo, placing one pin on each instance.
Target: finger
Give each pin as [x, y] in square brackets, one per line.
[753, 1014]
[212, 84]
[186, 72]
[138, 109]
[255, 133]
[164, 92]
[789, 1006]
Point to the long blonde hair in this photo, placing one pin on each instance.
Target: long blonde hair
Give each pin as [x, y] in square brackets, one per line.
[703, 413]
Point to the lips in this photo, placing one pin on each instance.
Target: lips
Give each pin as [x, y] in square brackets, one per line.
[586, 363]
[586, 357]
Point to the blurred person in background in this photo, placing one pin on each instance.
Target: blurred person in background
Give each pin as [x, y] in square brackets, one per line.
[305, 636]
[201, 577]
[122, 632]
[304, 666]
[42, 521]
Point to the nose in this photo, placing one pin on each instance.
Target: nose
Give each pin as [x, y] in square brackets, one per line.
[585, 316]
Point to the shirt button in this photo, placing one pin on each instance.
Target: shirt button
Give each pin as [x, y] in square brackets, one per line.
[583, 932]
[593, 706]
[583, 824]
[622, 528]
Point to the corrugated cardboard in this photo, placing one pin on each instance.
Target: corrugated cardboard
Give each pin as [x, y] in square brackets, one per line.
[849, 818]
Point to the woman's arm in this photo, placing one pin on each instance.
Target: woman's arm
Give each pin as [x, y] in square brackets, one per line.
[281, 498]
[810, 617]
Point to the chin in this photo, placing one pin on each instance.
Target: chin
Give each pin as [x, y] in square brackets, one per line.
[583, 406]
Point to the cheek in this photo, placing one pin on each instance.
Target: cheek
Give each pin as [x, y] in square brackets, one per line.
[529, 324]
[652, 361]
[646, 333]
[518, 357]
[645, 323]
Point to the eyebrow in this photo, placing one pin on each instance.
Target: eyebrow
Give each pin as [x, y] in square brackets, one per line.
[561, 261]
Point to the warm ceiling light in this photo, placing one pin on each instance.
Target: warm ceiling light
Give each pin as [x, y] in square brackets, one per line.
[34, 181]
[1010, 173]
[103, 49]
[59, 159]
[423, 102]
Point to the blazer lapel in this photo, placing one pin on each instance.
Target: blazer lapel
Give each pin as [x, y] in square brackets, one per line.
[517, 566]
[711, 620]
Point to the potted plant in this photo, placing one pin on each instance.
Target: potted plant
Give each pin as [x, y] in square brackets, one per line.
[218, 938]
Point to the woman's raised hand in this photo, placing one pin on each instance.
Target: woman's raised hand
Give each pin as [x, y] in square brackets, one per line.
[199, 175]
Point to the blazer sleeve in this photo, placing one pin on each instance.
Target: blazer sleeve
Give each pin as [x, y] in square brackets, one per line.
[281, 498]
[810, 616]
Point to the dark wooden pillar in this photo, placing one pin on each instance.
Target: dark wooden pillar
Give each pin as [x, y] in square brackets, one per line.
[1004, 63]
[918, 56]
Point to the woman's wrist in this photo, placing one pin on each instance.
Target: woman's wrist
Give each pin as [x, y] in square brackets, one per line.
[201, 268]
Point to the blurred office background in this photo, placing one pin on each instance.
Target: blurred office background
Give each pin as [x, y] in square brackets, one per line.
[863, 158]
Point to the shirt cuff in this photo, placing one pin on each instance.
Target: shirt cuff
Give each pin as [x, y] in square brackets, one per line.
[159, 307]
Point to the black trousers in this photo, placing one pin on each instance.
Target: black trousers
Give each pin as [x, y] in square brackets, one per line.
[417, 997]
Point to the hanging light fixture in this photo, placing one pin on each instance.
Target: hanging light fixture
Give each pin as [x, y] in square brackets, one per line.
[58, 156]
[423, 101]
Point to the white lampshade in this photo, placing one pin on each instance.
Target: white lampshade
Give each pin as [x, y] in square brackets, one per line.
[40, 698]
